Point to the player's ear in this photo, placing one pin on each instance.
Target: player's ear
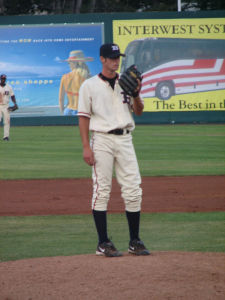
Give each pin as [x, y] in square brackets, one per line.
[102, 59]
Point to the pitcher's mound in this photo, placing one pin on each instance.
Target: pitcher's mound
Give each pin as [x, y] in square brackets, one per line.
[160, 276]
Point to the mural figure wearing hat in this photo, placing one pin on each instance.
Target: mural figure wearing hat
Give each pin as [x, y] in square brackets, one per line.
[71, 82]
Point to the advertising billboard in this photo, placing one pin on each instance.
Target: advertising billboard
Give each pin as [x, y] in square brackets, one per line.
[45, 64]
[182, 61]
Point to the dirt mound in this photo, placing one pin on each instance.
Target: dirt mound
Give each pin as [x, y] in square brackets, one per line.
[163, 275]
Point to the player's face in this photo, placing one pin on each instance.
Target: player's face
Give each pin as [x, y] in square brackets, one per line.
[111, 64]
[3, 80]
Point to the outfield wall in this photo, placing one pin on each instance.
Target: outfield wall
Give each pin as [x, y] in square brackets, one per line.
[190, 115]
[146, 118]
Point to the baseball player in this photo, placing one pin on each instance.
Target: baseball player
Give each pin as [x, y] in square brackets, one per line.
[6, 93]
[106, 111]
[71, 82]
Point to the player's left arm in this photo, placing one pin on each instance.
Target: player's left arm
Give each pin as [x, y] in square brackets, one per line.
[138, 104]
[13, 98]
[15, 106]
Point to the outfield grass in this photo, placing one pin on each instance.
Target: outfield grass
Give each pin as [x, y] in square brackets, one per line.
[162, 150]
[181, 150]
[42, 236]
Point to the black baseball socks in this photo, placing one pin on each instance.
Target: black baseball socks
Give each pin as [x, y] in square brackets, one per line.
[100, 218]
[133, 219]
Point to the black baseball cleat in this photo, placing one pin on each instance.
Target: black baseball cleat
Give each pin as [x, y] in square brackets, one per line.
[6, 138]
[108, 249]
[137, 247]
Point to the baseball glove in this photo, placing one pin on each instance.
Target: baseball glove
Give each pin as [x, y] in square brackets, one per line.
[13, 108]
[128, 81]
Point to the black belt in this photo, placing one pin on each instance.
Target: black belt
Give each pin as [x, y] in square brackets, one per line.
[119, 131]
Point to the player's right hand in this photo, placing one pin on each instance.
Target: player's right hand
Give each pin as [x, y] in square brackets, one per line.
[88, 156]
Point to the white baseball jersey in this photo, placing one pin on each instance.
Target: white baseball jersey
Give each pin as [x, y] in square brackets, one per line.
[5, 94]
[110, 109]
[107, 109]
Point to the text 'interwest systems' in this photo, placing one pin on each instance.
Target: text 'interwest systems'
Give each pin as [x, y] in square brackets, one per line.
[170, 29]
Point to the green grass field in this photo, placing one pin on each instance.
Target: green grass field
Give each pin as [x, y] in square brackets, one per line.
[41, 236]
[56, 152]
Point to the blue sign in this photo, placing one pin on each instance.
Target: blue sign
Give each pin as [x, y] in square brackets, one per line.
[35, 58]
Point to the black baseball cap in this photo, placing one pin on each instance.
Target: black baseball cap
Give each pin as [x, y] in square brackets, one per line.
[110, 51]
[3, 76]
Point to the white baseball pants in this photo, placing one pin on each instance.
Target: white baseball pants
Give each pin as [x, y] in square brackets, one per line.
[6, 119]
[115, 151]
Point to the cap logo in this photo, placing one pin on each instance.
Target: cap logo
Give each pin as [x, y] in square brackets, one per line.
[115, 48]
